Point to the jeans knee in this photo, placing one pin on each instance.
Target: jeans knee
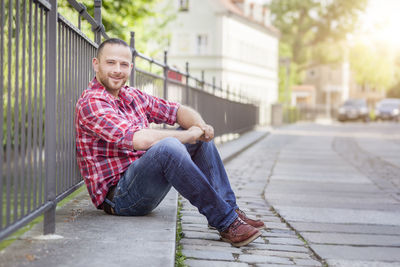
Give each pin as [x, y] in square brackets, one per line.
[171, 145]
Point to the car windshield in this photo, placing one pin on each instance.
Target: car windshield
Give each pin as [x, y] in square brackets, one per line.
[390, 105]
[355, 103]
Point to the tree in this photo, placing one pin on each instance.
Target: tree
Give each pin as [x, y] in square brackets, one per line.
[148, 18]
[308, 25]
[372, 65]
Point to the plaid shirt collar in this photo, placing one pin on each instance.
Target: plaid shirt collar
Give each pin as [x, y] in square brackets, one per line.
[123, 95]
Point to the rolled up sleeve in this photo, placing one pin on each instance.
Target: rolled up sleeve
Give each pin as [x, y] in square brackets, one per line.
[101, 119]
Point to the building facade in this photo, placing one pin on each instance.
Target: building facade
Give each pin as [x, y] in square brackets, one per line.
[232, 41]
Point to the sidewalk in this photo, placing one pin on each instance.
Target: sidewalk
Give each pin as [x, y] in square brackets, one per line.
[278, 246]
[89, 237]
[338, 185]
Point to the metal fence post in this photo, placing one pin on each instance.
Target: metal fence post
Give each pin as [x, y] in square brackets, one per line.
[132, 44]
[213, 85]
[166, 70]
[202, 80]
[49, 224]
[97, 18]
[187, 83]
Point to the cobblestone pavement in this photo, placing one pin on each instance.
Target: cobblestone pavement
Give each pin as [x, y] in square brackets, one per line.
[279, 245]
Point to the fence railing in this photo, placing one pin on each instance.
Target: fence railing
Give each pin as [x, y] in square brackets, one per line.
[45, 64]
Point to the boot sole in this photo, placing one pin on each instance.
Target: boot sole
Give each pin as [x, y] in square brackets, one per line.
[264, 227]
[245, 242]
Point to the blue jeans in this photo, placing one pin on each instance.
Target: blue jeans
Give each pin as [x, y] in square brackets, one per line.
[194, 170]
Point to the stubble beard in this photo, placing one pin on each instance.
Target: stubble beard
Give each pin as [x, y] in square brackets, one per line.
[110, 87]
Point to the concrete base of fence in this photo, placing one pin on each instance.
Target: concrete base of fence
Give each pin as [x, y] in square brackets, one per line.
[276, 115]
[93, 238]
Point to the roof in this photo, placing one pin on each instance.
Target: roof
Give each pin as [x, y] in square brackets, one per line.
[303, 87]
[233, 7]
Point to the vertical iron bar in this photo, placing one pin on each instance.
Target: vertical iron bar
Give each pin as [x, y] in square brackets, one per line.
[132, 43]
[67, 98]
[166, 70]
[70, 101]
[35, 71]
[187, 84]
[97, 18]
[2, 7]
[59, 64]
[29, 132]
[40, 139]
[23, 113]
[51, 83]
[213, 84]
[202, 80]
[8, 152]
[65, 74]
[16, 113]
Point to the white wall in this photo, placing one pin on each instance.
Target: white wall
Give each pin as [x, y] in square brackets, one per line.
[241, 53]
[250, 61]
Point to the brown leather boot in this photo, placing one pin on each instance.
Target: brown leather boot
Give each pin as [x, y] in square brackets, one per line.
[240, 233]
[255, 223]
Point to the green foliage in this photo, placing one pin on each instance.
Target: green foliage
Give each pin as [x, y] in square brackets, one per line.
[305, 24]
[148, 18]
[179, 257]
[288, 74]
[311, 33]
[372, 66]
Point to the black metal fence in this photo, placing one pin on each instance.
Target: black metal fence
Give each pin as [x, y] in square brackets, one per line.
[45, 64]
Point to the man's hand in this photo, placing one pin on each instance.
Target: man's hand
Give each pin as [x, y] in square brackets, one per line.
[208, 133]
[195, 134]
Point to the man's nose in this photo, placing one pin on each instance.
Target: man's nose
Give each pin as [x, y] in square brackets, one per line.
[117, 68]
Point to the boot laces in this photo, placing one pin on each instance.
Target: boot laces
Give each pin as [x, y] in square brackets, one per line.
[237, 223]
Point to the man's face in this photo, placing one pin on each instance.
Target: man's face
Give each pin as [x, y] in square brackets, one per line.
[113, 67]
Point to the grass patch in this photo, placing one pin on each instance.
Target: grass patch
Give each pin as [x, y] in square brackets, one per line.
[9, 240]
[179, 257]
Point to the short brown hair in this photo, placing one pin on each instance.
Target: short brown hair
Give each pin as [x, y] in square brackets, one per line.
[111, 41]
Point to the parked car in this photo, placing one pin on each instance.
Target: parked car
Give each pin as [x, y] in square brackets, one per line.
[388, 109]
[354, 109]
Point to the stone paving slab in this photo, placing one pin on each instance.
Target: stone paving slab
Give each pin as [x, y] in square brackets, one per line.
[278, 245]
[334, 215]
[386, 254]
[347, 228]
[354, 239]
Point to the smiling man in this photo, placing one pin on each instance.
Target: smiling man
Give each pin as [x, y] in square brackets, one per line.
[128, 168]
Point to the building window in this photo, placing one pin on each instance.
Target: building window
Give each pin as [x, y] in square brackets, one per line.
[184, 5]
[183, 43]
[202, 43]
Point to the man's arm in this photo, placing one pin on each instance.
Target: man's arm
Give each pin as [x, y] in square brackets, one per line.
[146, 138]
[187, 118]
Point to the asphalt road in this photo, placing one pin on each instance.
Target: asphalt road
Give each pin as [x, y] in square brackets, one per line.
[338, 185]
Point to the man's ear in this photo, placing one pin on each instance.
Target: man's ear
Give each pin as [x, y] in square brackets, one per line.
[95, 64]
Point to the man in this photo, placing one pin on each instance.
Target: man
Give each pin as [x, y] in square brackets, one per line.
[129, 168]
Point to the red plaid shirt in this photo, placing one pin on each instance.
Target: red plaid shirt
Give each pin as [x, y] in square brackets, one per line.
[105, 127]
